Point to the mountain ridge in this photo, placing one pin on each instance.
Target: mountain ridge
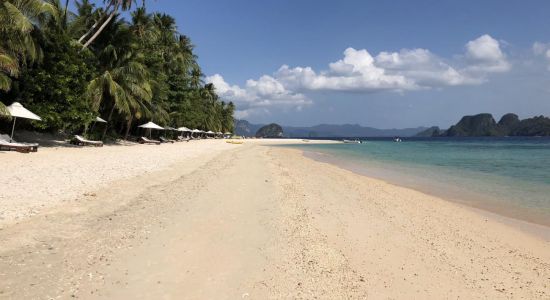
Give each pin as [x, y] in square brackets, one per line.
[484, 124]
[245, 128]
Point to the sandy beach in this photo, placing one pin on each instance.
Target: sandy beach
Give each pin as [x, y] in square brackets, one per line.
[212, 220]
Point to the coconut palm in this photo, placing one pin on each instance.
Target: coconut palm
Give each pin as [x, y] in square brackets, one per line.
[113, 7]
[17, 21]
[123, 83]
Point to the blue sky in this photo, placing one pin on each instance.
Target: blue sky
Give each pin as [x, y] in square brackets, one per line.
[377, 63]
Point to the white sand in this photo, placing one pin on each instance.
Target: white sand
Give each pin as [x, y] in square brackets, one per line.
[37, 181]
[255, 222]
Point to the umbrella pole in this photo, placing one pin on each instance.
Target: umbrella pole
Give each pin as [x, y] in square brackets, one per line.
[12, 129]
[93, 125]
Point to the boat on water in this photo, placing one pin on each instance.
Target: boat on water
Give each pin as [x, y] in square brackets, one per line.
[351, 141]
[397, 139]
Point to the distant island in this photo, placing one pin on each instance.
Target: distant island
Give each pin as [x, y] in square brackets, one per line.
[245, 128]
[270, 131]
[485, 125]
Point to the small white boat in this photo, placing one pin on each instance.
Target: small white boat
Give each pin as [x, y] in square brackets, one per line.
[351, 141]
[397, 139]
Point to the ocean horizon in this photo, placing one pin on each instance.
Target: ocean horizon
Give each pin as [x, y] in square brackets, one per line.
[508, 176]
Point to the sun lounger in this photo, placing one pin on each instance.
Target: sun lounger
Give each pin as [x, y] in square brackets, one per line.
[14, 145]
[7, 146]
[183, 139]
[144, 140]
[165, 140]
[80, 141]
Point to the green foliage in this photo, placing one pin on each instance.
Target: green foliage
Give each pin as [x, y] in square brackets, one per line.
[133, 72]
[270, 131]
[53, 89]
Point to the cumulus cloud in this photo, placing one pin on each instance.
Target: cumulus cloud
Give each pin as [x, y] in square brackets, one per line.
[355, 72]
[257, 96]
[422, 67]
[485, 56]
[359, 71]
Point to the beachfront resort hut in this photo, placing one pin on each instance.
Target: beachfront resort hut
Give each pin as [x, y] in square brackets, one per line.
[16, 110]
[150, 126]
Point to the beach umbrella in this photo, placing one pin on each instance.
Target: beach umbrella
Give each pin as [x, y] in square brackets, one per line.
[183, 129]
[17, 110]
[96, 120]
[151, 125]
[196, 131]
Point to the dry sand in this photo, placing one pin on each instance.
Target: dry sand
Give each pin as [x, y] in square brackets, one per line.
[210, 220]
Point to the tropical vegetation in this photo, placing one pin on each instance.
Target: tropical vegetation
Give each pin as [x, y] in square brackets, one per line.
[71, 66]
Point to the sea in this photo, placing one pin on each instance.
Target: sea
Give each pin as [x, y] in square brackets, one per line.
[506, 176]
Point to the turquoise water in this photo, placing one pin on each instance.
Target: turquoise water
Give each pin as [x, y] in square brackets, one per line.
[509, 176]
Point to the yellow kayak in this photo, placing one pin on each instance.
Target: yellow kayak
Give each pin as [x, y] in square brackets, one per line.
[234, 142]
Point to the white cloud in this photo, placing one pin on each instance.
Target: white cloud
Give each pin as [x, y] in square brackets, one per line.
[408, 69]
[359, 71]
[258, 95]
[422, 67]
[355, 72]
[485, 56]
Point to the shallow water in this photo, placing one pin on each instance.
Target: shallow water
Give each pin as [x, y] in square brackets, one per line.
[509, 176]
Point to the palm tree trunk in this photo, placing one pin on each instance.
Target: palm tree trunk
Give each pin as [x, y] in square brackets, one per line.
[108, 122]
[128, 126]
[65, 13]
[113, 13]
[93, 27]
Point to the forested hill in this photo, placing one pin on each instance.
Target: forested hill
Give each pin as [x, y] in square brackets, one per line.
[68, 69]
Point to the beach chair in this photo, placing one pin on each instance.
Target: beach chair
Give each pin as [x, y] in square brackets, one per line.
[7, 146]
[183, 139]
[144, 140]
[13, 145]
[81, 141]
[165, 140]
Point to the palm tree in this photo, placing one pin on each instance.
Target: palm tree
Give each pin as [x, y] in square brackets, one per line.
[17, 21]
[123, 82]
[124, 87]
[113, 7]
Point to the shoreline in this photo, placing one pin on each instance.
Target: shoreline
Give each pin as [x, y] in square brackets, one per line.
[530, 223]
[258, 221]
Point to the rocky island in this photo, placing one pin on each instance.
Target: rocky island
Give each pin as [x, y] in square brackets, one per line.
[270, 131]
[485, 125]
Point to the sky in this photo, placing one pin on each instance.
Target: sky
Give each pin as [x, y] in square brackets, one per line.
[385, 64]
